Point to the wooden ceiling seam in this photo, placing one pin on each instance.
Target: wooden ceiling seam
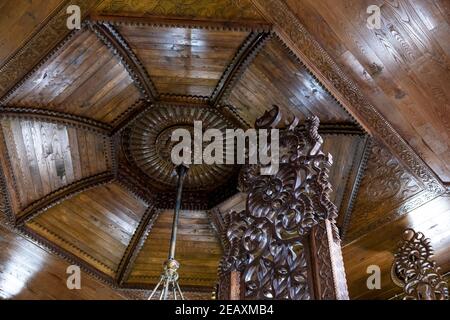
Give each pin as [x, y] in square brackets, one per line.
[136, 243]
[237, 66]
[173, 22]
[126, 118]
[316, 79]
[230, 109]
[68, 191]
[122, 51]
[359, 166]
[131, 181]
[39, 49]
[57, 117]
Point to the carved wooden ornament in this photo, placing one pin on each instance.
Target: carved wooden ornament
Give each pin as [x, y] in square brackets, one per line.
[415, 271]
[285, 244]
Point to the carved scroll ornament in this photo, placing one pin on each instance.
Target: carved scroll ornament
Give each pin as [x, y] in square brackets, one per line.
[269, 243]
[415, 271]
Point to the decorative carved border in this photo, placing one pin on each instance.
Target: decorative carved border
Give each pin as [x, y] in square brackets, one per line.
[257, 26]
[135, 245]
[56, 117]
[120, 48]
[359, 165]
[241, 60]
[184, 99]
[295, 35]
[52, 199]
[5, 202]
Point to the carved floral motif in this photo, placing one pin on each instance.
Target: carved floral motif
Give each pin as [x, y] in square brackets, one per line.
[267, 242]
[415, 271]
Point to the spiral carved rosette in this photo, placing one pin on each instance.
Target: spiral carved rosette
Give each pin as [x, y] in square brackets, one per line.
[270, 243]
[415, 271]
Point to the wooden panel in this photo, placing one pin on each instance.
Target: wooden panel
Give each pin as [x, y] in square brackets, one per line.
[198, 250]
[31, 273]
[200, 9]
[276, 77]
[83, 78]
[402, 67]
[19, 20]
[183, 61]
[378, 247]
[46, 156]
[386, 185]
[95, 225]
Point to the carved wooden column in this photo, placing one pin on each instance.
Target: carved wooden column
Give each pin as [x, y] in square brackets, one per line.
[415, 271]
[285, 245]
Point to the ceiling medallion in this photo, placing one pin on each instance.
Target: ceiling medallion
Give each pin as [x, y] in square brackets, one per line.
[150, 145]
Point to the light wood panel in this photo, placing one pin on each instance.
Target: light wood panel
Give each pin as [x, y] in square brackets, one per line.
[83, 78]
[46, 156]
[28, 272]
[276, 77]
[183, 61]
[198, 250]
[378, 247]
[19, 20]
[95, 225]
[402, 67]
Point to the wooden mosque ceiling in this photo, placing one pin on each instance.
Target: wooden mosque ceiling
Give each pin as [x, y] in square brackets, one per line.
[86, 116]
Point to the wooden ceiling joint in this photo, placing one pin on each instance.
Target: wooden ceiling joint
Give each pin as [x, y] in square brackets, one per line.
[173, 22]
[59, 195]
[56, 117]
[136, 243]
[120, 48]
[242, 59]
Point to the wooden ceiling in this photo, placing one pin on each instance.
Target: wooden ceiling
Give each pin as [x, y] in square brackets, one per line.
[68, 99]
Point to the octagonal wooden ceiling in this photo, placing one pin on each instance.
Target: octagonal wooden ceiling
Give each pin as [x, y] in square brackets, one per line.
[68, 184]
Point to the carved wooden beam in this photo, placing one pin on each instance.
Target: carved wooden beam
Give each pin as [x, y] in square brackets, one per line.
[136, 243]
[120, 48]
[56, 117]
[258, 26]
[62, 194]
[244, 56]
